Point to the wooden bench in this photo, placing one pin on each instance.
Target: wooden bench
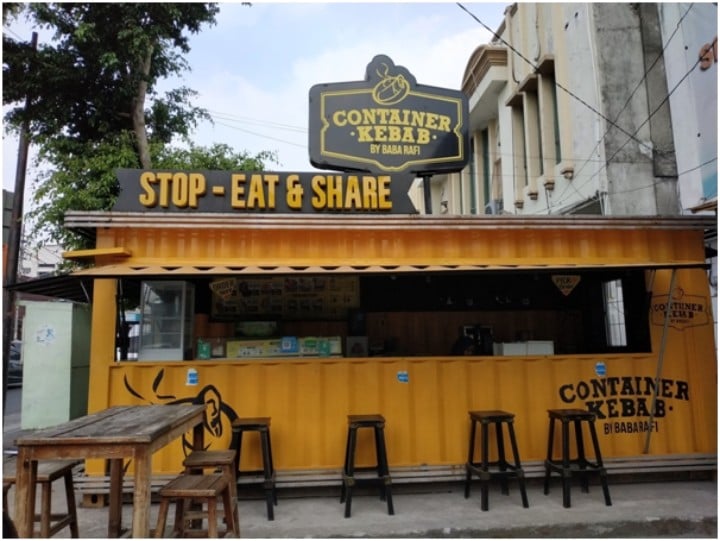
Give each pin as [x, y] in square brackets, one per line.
[188, 488]
[48, 471]
[218, 460]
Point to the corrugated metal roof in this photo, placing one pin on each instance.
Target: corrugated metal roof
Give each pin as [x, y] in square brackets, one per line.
[64, 286]
[103, 219]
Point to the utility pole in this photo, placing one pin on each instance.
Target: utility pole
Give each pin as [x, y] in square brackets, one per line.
[14, 238]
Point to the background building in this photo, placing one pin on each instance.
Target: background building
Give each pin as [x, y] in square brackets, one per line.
[592, 108]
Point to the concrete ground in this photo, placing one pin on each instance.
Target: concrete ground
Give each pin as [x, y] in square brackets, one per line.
[659, 509]
[648, 510]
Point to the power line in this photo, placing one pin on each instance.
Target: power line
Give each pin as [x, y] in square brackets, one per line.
[250, 120]
[697, 166]
[631, 137]
[660, 55]
[557, 84]
[260, 135]
[660, 105]
[640, 82]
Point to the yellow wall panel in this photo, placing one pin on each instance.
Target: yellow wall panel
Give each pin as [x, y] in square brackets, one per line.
[427, 415]
[426, 400]
[404, 246]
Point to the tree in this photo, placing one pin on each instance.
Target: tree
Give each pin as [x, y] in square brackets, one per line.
[103, 65]
[86, 180]
[93, 100]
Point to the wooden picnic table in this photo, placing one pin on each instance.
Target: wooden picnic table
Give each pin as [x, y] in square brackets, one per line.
[115, 433]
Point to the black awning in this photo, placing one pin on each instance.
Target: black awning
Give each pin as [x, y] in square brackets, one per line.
[64, 286]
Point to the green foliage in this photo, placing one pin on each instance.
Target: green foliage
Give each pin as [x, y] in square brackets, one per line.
[83, 88]
[82, 85]
[85, 178]
[219, 157]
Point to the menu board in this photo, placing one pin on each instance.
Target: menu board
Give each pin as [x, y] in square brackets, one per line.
[288, 297]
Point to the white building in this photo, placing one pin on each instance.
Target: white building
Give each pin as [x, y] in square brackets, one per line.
[36, 262]
[592, 108]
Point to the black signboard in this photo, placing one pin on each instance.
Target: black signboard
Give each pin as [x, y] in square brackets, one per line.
[266, 192]
[388, 123]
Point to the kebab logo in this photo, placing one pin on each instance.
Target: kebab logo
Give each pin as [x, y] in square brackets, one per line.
[391, 89]
[217, 418]
[681, 309]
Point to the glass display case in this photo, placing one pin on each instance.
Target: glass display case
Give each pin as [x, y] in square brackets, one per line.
[166, 320]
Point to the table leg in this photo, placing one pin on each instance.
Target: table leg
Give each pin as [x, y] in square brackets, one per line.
[141, 496]
[25, 481]
[199, 437]
[116, 490]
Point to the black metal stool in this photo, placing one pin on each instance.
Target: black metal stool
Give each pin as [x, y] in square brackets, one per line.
[502, 469]
[377, 423]
[580, 465]
[262, 426]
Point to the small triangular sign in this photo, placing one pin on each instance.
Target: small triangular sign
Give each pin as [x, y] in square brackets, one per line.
[566, 282]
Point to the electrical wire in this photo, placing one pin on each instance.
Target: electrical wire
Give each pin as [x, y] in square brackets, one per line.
[261, 135]
[637, 87]
[557, 84]
[659, 106]
[632, 136]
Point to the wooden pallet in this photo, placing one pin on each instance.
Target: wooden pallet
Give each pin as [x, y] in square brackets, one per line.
[95, 489]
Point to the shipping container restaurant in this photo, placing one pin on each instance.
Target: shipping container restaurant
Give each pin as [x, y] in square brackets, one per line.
[306, 319]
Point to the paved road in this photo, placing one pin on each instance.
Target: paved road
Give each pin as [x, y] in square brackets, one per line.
[13, 400]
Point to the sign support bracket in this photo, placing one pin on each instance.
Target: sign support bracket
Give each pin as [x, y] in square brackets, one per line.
[426, 193]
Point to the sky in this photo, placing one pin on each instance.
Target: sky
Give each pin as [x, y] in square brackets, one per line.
[253, 70]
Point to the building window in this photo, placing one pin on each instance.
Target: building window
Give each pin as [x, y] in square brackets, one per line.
[614, 314]
[473, 198]
[520, 172]
[485, 166]
[556, 119]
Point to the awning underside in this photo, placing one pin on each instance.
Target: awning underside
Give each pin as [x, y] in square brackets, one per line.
[78, 286]
[109, 271]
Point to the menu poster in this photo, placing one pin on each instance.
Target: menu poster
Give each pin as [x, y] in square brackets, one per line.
[289, 297]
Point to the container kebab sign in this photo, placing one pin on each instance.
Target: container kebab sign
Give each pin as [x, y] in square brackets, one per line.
[388, 123]
[381, 132]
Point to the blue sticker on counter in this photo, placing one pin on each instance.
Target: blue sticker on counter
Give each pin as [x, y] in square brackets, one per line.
[600, 369]
[289, 344]
[402, 376]
[192, 377]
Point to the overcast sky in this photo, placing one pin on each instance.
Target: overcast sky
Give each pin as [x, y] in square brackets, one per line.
[253, 69]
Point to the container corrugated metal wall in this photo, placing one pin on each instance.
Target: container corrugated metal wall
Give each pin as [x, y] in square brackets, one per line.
[427, 415]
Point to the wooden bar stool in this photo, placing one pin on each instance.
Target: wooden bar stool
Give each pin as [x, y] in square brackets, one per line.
[566, 466]
[377, 423]
[501, 468]
[187, 488]
[262, 426]
[224, 462]
[47, 472]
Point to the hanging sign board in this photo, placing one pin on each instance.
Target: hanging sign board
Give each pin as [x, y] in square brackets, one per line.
[388, 123]
[566, 282]
[262, 192]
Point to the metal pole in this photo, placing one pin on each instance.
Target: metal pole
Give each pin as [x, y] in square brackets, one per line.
[14, 238]
[427, 194]
[661, 356]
